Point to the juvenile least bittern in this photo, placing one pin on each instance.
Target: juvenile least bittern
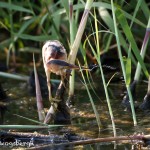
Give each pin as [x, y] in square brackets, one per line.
[52, 50]
[62, 68]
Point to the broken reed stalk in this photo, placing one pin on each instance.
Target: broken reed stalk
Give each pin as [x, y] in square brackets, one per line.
[143, 51]
[146, 102]
[138, 68]
[77, 41]
[59, 107]
[72, 77]
[39, 100]
[148, 89]
[71, 60]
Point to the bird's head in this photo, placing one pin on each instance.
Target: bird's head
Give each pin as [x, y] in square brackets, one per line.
[54, 50]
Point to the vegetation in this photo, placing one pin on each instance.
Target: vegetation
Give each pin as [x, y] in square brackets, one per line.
[89, 30]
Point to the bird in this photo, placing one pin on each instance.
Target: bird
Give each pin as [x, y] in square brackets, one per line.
[63, 68]
[60, 67]
[52, 50]
[55, 61]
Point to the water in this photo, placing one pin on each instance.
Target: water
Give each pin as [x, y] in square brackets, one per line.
[83, 118]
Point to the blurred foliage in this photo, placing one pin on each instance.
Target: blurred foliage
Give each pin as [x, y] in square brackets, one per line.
[25, 25]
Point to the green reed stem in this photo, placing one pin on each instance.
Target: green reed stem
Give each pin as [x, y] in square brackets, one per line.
[122, 64]
[11, 46]
[103, 78]
[91, 100]
[28, 126]
[71, 21]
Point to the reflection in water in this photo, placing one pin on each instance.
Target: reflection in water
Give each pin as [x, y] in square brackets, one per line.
[83, 118]
[3, 104]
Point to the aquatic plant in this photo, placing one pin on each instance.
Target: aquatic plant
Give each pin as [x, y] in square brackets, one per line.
[26, 25]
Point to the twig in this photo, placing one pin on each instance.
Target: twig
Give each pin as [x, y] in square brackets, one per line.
[98, 140]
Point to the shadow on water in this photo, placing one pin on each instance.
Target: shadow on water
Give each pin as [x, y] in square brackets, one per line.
[83, 118]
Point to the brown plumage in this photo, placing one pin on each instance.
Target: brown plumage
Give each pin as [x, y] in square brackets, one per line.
[55, 61]
[52, 50]
[60, 67]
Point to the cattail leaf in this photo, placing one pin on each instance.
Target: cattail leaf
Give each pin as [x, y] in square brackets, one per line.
[39, 38]
[14, 76]
[24, 27]
[122, 64]
[124, 24]
[145, 9]
[107, 18]
[135, 11]
[65, 4]
[128, 71]
[14, 7]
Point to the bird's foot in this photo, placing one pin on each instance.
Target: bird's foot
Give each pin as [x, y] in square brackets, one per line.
[63, 81]
[54, 105]
[54, 100]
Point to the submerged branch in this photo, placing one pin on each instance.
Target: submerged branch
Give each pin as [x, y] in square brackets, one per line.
[59, 110]
[69, 139]
[134, 139]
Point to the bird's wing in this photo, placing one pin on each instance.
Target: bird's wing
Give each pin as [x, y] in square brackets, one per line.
[62, 64]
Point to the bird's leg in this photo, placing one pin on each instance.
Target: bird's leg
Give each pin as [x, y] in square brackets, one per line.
[62, 80]
[52, 100]
[49, 85]
[64, 76]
